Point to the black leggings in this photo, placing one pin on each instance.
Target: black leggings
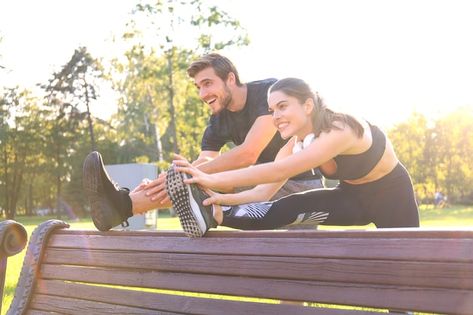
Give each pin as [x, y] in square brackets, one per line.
[388, 202]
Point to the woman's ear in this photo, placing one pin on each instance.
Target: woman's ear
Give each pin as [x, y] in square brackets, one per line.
[309, 106]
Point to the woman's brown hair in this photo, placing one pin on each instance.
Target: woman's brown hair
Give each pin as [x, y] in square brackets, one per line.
[323, 118]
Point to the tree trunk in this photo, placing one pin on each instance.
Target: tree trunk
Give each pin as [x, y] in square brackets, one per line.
[89, 118]
[172, 111]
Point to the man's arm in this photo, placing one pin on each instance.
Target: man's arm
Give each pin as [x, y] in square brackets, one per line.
[247, 153]
[205, 157]
[243, 155]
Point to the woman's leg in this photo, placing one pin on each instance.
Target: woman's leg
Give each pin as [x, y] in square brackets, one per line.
[337, 206]
[393, 201]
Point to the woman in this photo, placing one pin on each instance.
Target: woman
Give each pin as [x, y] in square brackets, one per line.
[374, 186]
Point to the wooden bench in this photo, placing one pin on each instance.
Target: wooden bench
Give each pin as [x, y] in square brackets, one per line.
[89, 272]
[13, 238]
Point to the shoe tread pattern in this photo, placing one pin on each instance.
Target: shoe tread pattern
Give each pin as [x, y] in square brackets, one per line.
[179, 195]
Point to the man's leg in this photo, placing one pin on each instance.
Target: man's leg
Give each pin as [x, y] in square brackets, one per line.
[110, 204]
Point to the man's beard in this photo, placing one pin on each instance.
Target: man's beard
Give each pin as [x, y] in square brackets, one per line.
[227, 100]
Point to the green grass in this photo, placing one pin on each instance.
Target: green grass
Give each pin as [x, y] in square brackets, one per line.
[449, 217]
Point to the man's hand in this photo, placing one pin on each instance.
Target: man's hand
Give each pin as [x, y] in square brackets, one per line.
[156, 190]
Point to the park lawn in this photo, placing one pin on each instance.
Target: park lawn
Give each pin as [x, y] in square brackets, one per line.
[450, 217]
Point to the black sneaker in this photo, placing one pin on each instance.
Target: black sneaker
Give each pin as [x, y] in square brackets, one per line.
[107, 200]
[195, 218]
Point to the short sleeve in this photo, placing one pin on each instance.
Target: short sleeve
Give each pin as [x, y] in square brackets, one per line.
[211, 141]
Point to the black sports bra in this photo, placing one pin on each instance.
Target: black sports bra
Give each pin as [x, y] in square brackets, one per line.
[354, 166]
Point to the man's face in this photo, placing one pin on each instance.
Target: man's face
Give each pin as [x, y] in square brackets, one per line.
[213, 90]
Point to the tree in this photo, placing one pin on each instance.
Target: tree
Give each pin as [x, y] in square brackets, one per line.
[68, 92]
[438, 154]
[20, 143]
[77, 81]
[156, 87]
[410, 140]
[454, 149]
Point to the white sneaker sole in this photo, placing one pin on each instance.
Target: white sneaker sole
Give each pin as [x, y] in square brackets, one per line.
[187, 209]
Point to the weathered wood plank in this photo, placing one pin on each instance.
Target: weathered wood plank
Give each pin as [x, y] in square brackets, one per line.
[378, 296]
[412, 233]
[438, 249]
[402, 269]
[38, 312]
[74, 306]
[448, 275]
[171, 303]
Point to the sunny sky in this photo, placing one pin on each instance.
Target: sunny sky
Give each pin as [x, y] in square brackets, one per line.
[374, 58]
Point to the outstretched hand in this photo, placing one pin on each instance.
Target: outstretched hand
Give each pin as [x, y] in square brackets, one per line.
[215, 198]
[197, 176]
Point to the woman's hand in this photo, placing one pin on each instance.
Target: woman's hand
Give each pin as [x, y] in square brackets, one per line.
[198, 177]
[214, 199]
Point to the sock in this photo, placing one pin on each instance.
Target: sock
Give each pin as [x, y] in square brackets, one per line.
[125, 205]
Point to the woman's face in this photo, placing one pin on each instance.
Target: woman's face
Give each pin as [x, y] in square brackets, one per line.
[290, 117]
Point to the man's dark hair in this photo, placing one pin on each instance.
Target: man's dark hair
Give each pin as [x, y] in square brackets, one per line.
[221, 65]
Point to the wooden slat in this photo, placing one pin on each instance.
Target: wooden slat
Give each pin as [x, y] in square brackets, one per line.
[170, 303]
[449, 275]
[38, 312]
[412, 233]
[74, 306]
[378, 296]
[438, 249]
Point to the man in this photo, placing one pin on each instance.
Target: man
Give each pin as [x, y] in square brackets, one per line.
[239, 115]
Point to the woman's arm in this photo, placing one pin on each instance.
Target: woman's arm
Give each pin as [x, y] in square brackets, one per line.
[262, 192]
[323, 148]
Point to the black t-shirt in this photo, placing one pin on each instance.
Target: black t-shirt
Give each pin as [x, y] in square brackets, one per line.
[228, 126]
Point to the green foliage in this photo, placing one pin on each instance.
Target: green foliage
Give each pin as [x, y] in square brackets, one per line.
[159, 110]
[21, 146]
[438, 154]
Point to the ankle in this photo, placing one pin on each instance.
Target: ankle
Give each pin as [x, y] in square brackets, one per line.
[125, 204]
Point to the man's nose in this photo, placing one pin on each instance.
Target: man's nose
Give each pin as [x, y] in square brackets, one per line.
[202, 93]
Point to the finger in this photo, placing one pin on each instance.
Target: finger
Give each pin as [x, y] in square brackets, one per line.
[192, 180]
[188, 170]
[153, 190]
[166, 200]
[209, 192]
[179, 157]
[160, 196]
[181, 163]
[138, 188]
[211, 200]
[154, 183]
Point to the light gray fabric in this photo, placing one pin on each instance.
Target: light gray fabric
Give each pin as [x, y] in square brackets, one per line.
[294, 186]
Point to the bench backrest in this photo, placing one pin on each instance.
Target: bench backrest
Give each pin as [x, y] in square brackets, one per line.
[13, 238]
[428, 271]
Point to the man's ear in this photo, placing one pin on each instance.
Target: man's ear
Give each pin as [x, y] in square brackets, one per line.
[231, 78]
